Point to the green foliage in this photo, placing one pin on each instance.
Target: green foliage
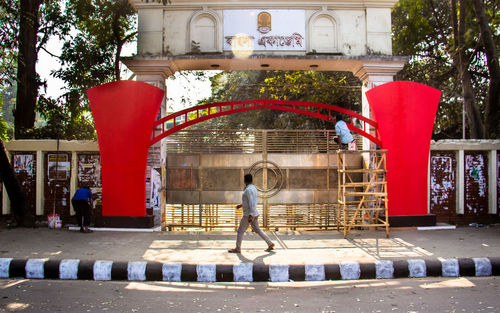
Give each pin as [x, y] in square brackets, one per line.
[7, 101]
[90, 57]
[4, 126]
[64, 121]
[422, 30]
[337, 88]
[9, 15]
[93, 32]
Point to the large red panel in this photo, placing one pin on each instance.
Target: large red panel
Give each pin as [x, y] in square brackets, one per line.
[405, 112]
[124, 113]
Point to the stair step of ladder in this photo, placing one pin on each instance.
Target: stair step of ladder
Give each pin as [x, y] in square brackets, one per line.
[362, 193]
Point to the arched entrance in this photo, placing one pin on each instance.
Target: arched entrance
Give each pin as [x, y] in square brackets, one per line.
[128, 108]
[295, 171]
[191, 116]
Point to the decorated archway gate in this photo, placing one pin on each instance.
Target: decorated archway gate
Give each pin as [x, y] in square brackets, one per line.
[124, 114]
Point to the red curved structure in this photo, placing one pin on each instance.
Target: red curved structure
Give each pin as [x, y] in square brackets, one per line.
[405, 112]
[124, 107]
[194, 115]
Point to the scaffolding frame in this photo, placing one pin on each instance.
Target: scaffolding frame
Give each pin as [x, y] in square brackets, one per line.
[362, 193]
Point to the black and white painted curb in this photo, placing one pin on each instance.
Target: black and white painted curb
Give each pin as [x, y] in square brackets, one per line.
[244, 272]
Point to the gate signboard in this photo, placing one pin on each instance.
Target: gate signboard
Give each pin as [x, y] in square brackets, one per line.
[264, 30]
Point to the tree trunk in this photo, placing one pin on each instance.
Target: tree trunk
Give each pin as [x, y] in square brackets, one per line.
[492, 107]
[27, 85]
[115, 27]
[461, 63]
[14, 190]
[117, 61]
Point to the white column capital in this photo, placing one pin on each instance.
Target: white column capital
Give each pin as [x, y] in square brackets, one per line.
[151, 77]
[378, 71]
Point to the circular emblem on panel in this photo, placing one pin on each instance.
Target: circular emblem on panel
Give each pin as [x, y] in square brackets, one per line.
[264, 22]
[275, 178]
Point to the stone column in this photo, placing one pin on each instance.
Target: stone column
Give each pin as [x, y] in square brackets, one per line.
[74, 179]
[373, 74]
[157, 156]
[492, 181]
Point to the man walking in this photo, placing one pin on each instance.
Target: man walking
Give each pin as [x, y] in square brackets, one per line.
[250, 216]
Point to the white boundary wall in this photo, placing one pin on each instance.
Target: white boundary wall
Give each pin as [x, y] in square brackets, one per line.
[460, 146]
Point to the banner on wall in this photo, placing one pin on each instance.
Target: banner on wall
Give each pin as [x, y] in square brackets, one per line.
[264, 30]
[58, 167]
[155, 189]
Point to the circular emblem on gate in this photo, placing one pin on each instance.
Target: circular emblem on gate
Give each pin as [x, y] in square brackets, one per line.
[275, 178]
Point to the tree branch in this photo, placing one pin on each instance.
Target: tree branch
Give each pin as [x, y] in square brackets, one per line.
[50, 53]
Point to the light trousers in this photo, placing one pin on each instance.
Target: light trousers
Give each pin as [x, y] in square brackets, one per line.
[255, 227]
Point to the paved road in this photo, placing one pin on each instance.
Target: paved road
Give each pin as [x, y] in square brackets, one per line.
[401, 295]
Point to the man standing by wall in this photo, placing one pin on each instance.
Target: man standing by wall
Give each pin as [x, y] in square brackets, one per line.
[82, 202]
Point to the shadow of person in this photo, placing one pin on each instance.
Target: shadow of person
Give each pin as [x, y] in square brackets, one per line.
[259, 259]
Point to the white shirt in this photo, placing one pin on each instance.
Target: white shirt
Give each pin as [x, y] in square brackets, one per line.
[249, 201]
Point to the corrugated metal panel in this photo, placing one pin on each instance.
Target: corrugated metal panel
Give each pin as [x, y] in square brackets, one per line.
[215, 141]
[254, 141]
[293, 171]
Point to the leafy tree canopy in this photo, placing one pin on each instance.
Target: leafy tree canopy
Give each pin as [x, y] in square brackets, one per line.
[337, 88]
[422, 29]
[93, 33]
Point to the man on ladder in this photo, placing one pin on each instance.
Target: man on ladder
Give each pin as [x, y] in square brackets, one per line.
[344, 138]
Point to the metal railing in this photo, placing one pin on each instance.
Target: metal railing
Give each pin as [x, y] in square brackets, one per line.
[253, 141]
[213, 217]
[178, 121]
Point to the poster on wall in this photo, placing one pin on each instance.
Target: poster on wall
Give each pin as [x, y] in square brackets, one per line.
[23, 163]
[58, 167]
[89, 174]
[89, 170]
[474, 168]
[248, 30]
[155, 189]
[443, 186]
[476, 184]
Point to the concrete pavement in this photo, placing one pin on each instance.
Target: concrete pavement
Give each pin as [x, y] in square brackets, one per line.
[202, 256]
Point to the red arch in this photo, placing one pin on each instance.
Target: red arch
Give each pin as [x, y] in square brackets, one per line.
[208, 111]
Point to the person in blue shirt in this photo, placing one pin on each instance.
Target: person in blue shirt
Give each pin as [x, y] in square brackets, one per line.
[344, 136]
[82, 202]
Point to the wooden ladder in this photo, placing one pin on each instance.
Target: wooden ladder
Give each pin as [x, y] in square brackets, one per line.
[362, 192]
